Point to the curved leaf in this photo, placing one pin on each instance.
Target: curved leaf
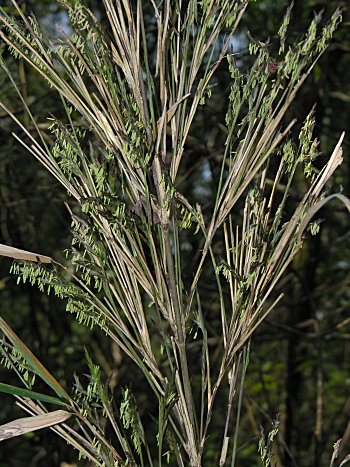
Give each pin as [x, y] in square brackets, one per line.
[36, 422]
[16, 253]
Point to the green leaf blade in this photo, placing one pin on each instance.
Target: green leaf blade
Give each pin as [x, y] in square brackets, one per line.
[22, 392]
[32, 361]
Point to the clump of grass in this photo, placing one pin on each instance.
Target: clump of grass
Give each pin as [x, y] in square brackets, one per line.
[119, 151]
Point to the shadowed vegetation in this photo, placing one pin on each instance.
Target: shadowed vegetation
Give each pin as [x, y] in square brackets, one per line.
[136, 85]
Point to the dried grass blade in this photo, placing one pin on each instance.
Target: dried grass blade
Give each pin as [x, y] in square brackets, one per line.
[16, 253]
[24, 425]
[316, 207]
[335, 160]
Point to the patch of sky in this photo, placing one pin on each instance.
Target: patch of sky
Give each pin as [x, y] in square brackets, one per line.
[59, 19]
[238, 46]
[202, 189]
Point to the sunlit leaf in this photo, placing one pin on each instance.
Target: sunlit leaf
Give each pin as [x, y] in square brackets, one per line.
[16, 253]
[37, 422]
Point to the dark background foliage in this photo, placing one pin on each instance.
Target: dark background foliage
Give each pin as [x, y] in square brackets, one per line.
[299, 364]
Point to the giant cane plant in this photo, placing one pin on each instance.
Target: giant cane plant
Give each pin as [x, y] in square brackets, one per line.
[132, 90]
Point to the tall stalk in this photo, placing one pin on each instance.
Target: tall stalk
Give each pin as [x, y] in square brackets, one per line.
[120, 153]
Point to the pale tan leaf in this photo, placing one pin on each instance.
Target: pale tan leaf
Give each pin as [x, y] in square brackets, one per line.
[171, 112]
[16, 253]
[24, 425]
[341, 96]
[316, 207]
[335, 160]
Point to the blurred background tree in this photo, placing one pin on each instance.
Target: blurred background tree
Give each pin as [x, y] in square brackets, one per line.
[299, 365]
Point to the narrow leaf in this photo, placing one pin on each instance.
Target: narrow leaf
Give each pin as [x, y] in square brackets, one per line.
[316, 207]
[16, 391]
[37, 422]
[22, 254]
[33, 362]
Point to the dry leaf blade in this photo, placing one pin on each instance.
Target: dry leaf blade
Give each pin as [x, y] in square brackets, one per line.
[25, 425]
[16, 253]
